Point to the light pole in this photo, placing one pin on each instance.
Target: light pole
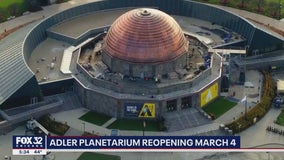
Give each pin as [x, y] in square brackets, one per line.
[144, 126]
[239, 128]
[246, 108]
[268, 154]
[280, 7]
[245, 68]
[83, 126]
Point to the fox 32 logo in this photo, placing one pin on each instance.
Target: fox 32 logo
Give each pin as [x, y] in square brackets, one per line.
[29, 142]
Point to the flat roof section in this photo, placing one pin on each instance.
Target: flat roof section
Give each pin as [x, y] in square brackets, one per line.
[75, 27]
[45, 61]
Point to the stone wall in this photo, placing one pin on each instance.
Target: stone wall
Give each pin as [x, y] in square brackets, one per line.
[142, 69]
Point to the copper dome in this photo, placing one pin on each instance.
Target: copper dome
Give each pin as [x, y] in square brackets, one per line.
[145, 36]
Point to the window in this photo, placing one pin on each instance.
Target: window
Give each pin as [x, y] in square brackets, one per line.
[172, 105]
[185, 102]
[34, 100]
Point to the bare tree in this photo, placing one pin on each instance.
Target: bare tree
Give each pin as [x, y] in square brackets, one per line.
[33, 5]
[274, 9]
[259, 4]
[14, 9]
[242, 4]
[224, 2]
[2, 15]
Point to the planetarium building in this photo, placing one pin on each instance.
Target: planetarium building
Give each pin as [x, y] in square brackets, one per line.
[144, 59]
[124, 57]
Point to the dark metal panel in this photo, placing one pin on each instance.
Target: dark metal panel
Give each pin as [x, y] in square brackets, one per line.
[23, 95]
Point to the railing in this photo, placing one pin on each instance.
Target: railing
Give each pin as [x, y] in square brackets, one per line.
[17, 119]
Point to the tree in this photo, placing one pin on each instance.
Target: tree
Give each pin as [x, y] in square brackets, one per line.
[243, 4]
[61, 1]
[44, 2]
[33, 5]
[14, 9]
[274, 9]
[2, 15]
[225, 2]
[259, 4]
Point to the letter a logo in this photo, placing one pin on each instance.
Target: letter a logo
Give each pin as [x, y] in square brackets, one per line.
[209, 96]
[148, 110]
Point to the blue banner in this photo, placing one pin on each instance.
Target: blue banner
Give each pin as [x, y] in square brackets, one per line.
[144, 142]
[125, 142]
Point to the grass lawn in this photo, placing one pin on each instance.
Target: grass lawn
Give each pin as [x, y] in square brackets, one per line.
[280, 118]
[6, 3]
[129, 124]
[5, 11]
[97, 156]
[219, 106]
[95, 118]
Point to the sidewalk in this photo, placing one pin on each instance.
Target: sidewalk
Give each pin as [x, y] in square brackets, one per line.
[109, 122]
[233, 114]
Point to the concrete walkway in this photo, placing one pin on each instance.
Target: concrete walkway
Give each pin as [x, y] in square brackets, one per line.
[233, 114]
[109, 122]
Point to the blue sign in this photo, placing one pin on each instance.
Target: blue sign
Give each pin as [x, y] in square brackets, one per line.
[132, 109]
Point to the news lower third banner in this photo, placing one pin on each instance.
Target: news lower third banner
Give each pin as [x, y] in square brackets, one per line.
[41, 145]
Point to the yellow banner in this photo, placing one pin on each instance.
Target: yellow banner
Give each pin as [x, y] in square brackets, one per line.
[209, 94]
[147, 111]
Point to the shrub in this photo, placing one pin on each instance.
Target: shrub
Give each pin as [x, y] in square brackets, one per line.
[224, 2]
[53, 126]
[33, 5]
[15, 9]
[89, 134]
[61, 1]
[242, 5]
[3, 15]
